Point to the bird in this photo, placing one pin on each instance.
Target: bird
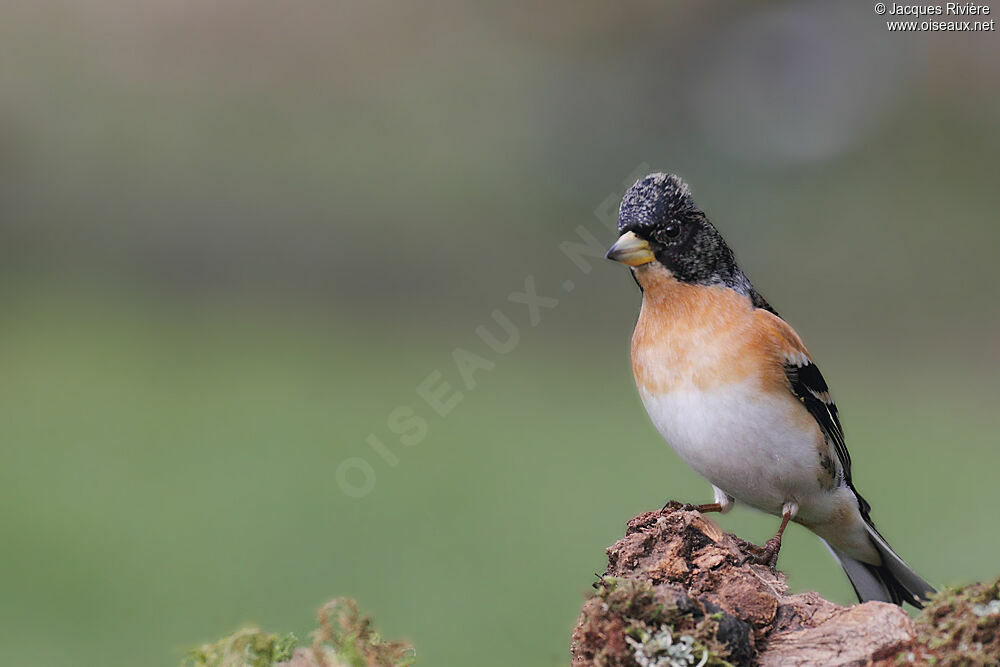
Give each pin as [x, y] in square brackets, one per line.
[733, 390]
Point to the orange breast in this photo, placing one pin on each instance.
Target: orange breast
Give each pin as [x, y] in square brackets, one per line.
[701, 337]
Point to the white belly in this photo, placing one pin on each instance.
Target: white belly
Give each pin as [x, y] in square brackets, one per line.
[743, 442]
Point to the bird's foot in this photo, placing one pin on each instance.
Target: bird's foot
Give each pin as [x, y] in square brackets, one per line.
[767, 554]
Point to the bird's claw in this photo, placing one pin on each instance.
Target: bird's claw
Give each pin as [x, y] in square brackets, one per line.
[767, 554]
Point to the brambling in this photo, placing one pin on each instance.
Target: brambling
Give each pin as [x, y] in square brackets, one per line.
[733, 390]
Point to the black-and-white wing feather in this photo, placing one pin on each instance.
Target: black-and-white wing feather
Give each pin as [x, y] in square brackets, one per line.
[810, 388]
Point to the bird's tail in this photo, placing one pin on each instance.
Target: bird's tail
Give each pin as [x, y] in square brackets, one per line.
[892, 581]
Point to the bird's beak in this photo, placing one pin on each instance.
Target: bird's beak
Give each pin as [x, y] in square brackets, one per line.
[630, 249]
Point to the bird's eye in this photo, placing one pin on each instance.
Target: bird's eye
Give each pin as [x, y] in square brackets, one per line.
[672, 230]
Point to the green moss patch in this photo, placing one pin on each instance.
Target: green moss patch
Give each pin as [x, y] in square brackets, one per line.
[631, 622]
[344, 638]
[249, 647]
[961, 626]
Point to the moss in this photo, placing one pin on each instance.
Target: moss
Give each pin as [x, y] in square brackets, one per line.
[351, 636]
[635, 599]
[344, 638]
[631, 622]
[961, 626]
[250, 646]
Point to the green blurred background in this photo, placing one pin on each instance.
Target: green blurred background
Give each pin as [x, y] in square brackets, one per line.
[237, 235]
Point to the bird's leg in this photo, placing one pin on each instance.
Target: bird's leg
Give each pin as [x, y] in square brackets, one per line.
[708, 507]
[674, 505]
[768, 555]
[723, 503]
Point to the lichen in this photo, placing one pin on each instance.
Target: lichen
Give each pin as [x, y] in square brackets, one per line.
[660, 649]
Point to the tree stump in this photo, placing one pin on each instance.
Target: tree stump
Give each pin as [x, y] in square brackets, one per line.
[680, 591]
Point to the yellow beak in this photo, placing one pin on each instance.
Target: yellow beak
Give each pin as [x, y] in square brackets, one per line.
[630, 249]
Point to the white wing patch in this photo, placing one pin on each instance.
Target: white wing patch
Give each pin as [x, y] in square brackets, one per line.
[797, 359]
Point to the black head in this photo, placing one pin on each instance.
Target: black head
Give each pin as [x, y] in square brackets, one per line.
[667, 227]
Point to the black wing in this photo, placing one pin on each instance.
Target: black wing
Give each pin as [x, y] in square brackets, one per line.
[811, 389]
